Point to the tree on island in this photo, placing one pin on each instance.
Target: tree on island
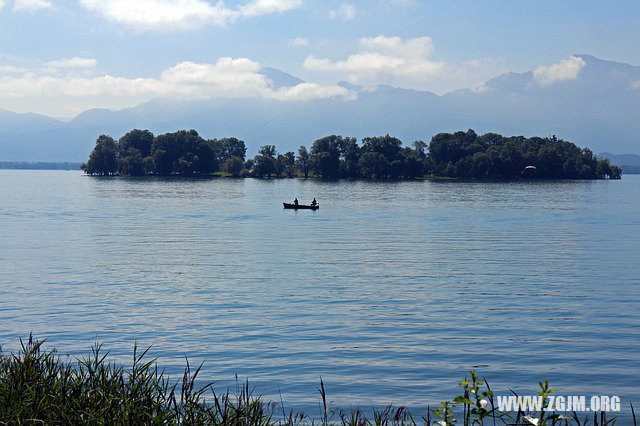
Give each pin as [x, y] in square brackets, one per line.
[335, 156]
[302, 162]
[349, 158]
[415, 160]
[233, 166]
[373, 165]
[281, 165]
[325, 156]
[134, 153]
[492, 156]
[183, 153]
[264, 164]
[289, 163]
[139, 153]
[140, 140]
[226, 148]
[103, 159]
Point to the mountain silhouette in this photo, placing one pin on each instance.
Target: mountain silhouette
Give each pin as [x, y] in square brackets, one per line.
[599, 108]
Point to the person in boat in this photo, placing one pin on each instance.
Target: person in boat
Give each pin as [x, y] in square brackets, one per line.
[295, 202]
[314, 202]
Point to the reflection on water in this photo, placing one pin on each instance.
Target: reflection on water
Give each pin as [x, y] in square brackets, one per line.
[391, 291]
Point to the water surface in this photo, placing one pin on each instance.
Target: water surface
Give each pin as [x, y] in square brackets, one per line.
[390, 292]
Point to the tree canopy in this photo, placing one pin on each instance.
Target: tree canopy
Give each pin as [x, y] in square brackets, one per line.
[184, 152]
[103, 159]
[493, 156]
[456, 155]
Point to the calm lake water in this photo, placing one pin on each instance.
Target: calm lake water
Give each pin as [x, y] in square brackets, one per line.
[390, 292]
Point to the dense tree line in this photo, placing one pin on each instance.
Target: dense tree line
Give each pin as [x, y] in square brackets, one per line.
[456, 155]
[140, 153]
[466, 155]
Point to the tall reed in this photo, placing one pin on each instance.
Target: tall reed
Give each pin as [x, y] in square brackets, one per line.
[38, 387]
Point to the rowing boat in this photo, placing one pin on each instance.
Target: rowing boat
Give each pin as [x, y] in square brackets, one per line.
[300, 206]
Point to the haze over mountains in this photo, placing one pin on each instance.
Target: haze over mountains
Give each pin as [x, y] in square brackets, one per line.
[598, 108]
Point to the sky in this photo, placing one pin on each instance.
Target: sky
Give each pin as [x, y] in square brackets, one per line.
[61, 57]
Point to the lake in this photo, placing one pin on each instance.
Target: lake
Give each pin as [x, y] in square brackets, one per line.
[390, 292]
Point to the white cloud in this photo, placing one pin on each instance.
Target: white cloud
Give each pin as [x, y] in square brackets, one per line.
[59, 66]
[2, 3]
[69, 94]
[31, 5]
[568, 69]
[345, 11]
[635, 85]
[168, 15]
[227, 77]
[404, 2]
[11, 69]
[299, 42]
[309, 91]
[416, 47]
[383, 59]
[264, 7]
[163, 14]
[75, 62]
[406, 63]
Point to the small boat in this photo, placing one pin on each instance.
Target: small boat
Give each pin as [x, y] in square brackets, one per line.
[300, 206]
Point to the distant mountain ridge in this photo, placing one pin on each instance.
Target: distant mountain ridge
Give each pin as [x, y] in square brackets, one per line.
[630, 163]
[598, 109]
[10, 121]
[620, 159]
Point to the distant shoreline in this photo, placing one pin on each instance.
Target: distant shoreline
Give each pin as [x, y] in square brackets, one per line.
[43, 165]
[39, 165]
[70, 165]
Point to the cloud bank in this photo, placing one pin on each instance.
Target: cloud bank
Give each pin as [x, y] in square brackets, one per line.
[58, 90]
[169, 15]
[406, 63]
[384, 59]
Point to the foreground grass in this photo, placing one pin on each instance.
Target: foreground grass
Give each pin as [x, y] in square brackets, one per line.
[37, 387]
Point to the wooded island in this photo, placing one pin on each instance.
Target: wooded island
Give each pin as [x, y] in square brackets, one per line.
[454, 155]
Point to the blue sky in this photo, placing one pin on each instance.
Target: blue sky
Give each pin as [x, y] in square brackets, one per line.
[60, 57]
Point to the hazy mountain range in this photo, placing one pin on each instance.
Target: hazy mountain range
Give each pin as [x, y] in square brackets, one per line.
[600, 108]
